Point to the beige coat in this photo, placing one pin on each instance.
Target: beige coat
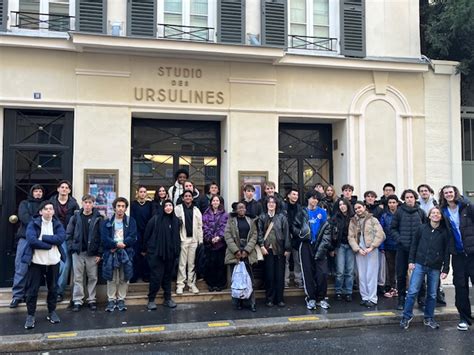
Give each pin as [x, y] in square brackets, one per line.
[197, 223]
[232, 240]
[373, 232]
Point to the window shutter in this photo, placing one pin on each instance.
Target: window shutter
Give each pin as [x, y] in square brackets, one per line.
[274, 23]
[231, 21]
[91, 16]
[141, 18]
[3, 14]
[353, 28]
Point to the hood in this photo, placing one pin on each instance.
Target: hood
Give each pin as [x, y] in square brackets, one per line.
[34, 187]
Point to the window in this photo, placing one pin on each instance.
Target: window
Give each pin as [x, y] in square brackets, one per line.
[42, 14]
[467, 139]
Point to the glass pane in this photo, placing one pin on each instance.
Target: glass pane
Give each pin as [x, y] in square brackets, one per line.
[313, 143]
[28, 17]
[152, 171]
[320, 15]
[38, 165]
[199, 7]
[298, 11]
[315, 170]
[321, 31]
[173, 19]
[288, 174]
[200, 21]
[173, 6]
[40, 130]
[202, 170]
[467, 140]
[298, 29]
[58, 15]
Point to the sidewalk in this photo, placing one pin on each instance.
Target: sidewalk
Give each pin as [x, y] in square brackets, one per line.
[191, 321]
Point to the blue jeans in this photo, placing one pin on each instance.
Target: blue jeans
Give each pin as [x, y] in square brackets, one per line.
[344, 269]
[21, 269]
[417, 277]
[64, 271]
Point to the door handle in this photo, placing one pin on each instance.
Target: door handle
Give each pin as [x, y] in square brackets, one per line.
[13, 219]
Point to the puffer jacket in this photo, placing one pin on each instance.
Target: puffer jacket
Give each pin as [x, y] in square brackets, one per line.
[325, 241]
[74, 234]
[280, 226]
[405, 223]
[232, 239]
[298, 226]
[213, 225]
[466, 226]
[372, 232]
[27, 210]
[430, 247]
[340, 224]
[386, 221]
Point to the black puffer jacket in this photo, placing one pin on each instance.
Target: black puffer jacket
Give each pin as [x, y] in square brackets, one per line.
[27, 210]
[341, 228]
[405, 224]
[74, 234]
[298, 223]
[466, 225]
[375, 210]
[325, 242]
[430, 247]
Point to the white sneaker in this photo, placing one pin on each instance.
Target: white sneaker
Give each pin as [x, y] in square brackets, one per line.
[194, 289]
[310, 304]
[463, 326]
[179, 290]
[323, 304]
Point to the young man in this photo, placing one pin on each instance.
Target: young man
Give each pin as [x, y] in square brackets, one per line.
[119, 235]
[426, 200]
[43, 252]
[371, 204]
[64, 207]
[84, 243]
[347, 193]
[26, 211]
[319, 187]
[209, 191]
[313, 251]
[388, 190]
[191, 235]
[459, 216]
[253, 207]
[405, 223]
[297, 222]
[141, 210]
[177, 189]
[270, 191]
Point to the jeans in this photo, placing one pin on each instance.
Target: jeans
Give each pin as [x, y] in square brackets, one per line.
[21, 270]
[344, 269]
[64, 271]
[416, 280]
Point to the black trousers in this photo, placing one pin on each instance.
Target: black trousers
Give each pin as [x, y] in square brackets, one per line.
[315, 273]
[35, 275]
[141, 270]
[235, 301]
[216, 275]
[463, 269]
[390, 257]
[274, 277]
[161, 272]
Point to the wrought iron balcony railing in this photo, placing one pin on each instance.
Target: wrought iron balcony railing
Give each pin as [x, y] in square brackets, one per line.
[35, 20]
[313, 43]
[190, 33]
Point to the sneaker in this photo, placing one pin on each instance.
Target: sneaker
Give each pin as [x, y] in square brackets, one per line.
[363, 302]
[348, 298]
[179, 290]
[151, 306]
[281, 304]
[405, 322]
[430, 322]
[59, 298]
[401, 303]
[121, 306]
[310, 304]
[169, 303]
[92, 306]
[462, 326]
[76, 307]
[30, 322]
[253, 307]
[194, 289]
[111, 305]
[53, 317]
[338, 297]
[323, 304]
[15, 302]
[370, 304]
[269, 304]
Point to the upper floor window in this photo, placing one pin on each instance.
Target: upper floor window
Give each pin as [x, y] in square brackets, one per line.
[467, 134]
[53, 15]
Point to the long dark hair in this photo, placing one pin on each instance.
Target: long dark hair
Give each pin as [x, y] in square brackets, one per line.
[442, 201]
[350, 210]
[156, 197]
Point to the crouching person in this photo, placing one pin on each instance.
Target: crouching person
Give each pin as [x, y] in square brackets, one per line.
[83, 241]
[43, 252]
[119, 234]
[161, 245]
[241, 239]
[429, 254]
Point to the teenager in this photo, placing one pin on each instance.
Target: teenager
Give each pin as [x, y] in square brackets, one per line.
[274, 240]
[270, 191]
[313, 251]
[345, 259]
[190, 235]
[241, 240]
[329, 199]
[426, 200]
[84, 244]
[406, 221]
[161, 195]
[459, 216]
[372, 206]
[141, 210]
[429, 254]
[189, 185]
[26, 211]
[119, 235]
[389, 246]
[161, 245]
[175, 191]
[210, 190]
[214, 221]
[44, 235]
[64, 207]
[388, 189]
[253, 208]
[365, 236]
[347, 193]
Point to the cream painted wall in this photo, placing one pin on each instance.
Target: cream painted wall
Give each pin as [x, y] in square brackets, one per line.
[253, 21]
[117, 12]
[340, 156]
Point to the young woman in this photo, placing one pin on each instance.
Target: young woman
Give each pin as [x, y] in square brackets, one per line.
[162, 247]
[161, 195]
[241, 240]
[365, 236]
[429, 254]
[329, 200]
[274, 240]
[214, 221]
[344, 254]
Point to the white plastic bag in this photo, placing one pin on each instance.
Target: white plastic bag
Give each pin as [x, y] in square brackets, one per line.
[241, 282]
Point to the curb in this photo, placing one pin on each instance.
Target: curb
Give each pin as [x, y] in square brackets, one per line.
[200, 330]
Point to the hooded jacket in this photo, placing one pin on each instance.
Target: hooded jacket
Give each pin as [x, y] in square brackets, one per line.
[232, 239]
[386, 221]
[405, 223]
[27, 210]
[466, 226]
[74, 234]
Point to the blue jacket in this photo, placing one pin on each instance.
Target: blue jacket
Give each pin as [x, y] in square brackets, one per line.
[386, 221]
[33, 231]
[120, 256]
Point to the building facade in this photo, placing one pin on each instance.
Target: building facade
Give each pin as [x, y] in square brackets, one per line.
[297, 92]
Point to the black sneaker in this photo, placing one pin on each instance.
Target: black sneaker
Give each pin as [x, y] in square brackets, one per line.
[401, 303]
[338, 297]
[59, 298]
[430, 322]
[121, 306]
[15, 302]
[169, 303]
[281, 304]
[151, 306]
[269, 304]
[405, 322]
[30, 322]
[53, 317]
[348, 298]
[110, 306]
[76, 307]
[93, 306]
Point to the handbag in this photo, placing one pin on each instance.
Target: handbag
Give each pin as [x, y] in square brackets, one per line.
[257, 247]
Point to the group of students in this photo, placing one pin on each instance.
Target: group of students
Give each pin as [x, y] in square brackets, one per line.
[379, 241]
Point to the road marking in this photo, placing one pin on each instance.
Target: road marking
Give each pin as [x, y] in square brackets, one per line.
[153, 329]
[383, 314]
[302, 319]
[135, 330]
[218, 324]
[62, 335]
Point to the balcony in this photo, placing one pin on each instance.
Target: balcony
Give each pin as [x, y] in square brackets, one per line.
[35, 21]
[188, 33]
[313, 43]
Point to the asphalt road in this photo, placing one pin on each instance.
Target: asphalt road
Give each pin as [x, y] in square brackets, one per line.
[367, 340]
